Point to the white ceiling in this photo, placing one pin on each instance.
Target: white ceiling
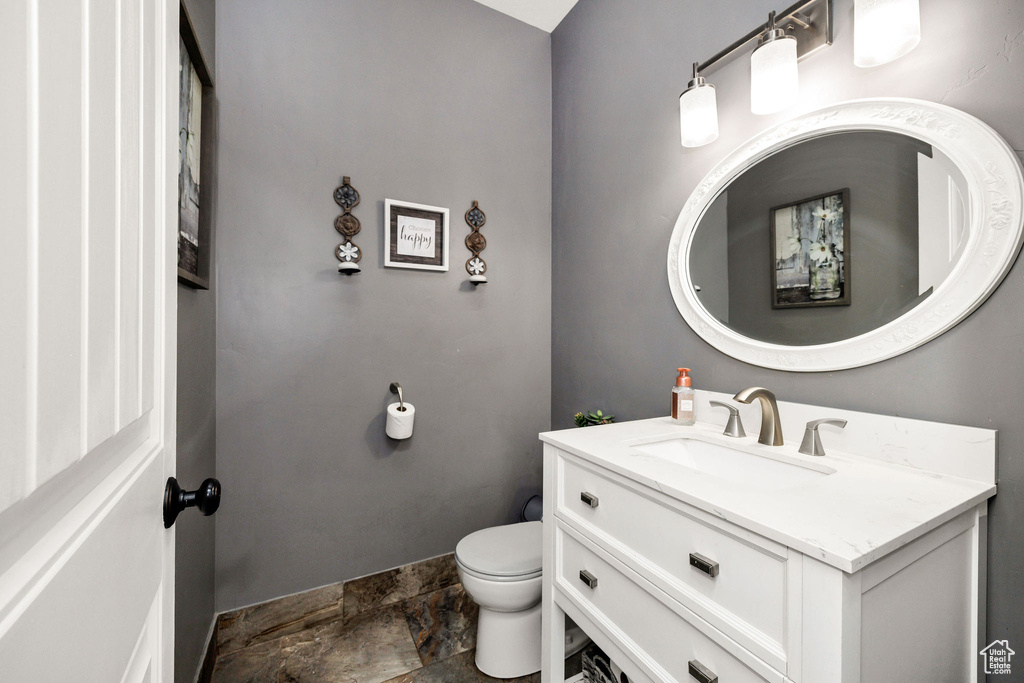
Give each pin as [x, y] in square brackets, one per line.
[544, 14]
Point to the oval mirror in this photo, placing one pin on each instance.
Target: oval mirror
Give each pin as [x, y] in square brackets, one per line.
[847, 235]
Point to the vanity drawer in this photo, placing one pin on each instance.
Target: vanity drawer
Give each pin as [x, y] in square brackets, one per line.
[644, 624]
[729, 576]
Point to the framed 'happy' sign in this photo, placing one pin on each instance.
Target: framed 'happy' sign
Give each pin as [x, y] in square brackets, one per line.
[415, 236]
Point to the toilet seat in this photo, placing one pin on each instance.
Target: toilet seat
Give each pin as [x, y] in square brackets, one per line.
[503, 553]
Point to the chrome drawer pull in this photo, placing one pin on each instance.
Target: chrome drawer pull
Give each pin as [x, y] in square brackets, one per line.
[709, 567]
[701, 672]
[588, 578]
[589, 498]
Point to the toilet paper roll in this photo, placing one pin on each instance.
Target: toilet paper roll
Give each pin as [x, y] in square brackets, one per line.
[399, 424]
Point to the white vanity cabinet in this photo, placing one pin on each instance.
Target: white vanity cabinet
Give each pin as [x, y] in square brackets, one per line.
[672, 590]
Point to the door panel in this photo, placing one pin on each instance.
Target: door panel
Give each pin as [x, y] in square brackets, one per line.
[79, 360]
[101, 222]
[15, 351]
[81, 616]
[88, 185]
[55, 273]
[146, 656]
[130, 151]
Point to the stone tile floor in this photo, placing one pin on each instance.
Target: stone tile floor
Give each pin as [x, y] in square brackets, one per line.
[414, 624]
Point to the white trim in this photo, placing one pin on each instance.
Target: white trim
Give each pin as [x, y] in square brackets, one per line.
[165, 332]
[118, 199]
[31, 472]
[146, 656]
[388, 203]
[996, 194]
[86, 164]
[979, 588]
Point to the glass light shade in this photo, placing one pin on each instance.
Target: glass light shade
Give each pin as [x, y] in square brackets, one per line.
[774, 80]
[698, 115]
[884, 30]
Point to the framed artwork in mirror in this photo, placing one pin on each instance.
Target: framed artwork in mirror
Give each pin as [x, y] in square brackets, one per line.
[415, 236]
[193, 76]
[810, 242]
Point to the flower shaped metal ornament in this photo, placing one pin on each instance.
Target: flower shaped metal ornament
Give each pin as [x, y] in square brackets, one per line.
[348, 252]
[348, 225]
[475, 242]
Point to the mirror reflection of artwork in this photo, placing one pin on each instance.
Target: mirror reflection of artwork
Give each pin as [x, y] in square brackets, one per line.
[811, 240]
[189, 117]
[734, 256]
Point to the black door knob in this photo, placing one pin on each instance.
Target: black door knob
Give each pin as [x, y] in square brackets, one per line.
[206, 498]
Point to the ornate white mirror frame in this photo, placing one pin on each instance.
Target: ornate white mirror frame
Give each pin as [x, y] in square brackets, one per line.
[995, 184]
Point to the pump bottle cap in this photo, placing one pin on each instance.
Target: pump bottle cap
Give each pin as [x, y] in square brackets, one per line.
[683, 380]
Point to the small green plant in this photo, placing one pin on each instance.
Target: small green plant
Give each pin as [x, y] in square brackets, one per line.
[591, 419]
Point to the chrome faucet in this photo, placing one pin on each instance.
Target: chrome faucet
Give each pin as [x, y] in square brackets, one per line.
[811, 445]
[734, 427]
[771, 426]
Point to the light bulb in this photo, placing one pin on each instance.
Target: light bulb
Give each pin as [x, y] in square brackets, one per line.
[884, 30]
[698, 114]
[774, 80]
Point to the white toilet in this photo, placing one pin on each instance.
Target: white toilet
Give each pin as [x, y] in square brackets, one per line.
[500, 569]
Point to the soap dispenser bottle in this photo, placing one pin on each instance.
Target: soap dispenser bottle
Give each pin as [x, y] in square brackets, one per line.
[682, 399]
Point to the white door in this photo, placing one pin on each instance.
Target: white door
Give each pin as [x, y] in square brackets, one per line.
[88, 145]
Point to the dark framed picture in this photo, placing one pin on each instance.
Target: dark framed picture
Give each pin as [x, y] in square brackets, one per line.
[193, 76]
[811, 251]
[415, 236]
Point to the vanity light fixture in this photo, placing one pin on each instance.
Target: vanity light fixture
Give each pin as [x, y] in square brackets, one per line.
[798, 32]
[698, 112]
[884, 30]
[774, 81]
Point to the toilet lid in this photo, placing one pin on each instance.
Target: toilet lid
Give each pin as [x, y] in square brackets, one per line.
[509, 550]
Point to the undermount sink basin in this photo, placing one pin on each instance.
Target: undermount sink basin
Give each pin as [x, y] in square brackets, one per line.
[733, 465]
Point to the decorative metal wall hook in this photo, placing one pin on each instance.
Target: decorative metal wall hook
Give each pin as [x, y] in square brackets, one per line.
[475, 242]
[348, 225]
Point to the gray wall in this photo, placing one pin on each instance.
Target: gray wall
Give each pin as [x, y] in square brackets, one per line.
[438, 102]
[620, 178]
[880, 171]
[196, 428]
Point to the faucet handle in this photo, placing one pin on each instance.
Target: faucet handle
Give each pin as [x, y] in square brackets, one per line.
[734, 427]
[811, 444]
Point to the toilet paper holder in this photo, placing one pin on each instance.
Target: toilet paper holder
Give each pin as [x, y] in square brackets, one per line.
[396, 388]
[400, 416]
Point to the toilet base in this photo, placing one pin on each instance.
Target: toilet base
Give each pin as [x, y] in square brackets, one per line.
[508, 643]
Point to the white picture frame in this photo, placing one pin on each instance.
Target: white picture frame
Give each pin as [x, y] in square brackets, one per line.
[409, 239]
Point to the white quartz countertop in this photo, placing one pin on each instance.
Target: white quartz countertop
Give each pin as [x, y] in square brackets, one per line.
[859, 513]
